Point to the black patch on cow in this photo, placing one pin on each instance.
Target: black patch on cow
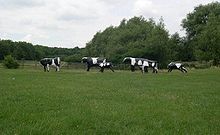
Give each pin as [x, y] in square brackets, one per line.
[91, 63]
[139, 62]
[49, 61]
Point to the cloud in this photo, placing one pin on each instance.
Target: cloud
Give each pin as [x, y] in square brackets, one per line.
[20, 3]
[144, 7]
[73, 23]
[68, 16]
[27, 38]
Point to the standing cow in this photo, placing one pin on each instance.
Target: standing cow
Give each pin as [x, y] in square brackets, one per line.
[46, 62]
[179, 66]
[142, 63]
[97, 62]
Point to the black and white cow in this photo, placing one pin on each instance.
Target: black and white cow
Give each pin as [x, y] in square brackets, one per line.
[46, 62]
[105, 64]
[97, 62]
[179, 66]
[142, 63]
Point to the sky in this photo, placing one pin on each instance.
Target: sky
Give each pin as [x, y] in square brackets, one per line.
[71, 23]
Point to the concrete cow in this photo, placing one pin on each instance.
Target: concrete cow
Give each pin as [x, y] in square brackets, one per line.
[142, 63]
[97, 62]
[105, 64]
[46, 62]
[174, 65]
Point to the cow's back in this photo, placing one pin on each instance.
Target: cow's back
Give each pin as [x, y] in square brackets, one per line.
[100, 60]
[46, 61]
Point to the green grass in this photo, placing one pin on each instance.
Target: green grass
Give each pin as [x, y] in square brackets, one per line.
[80, 102]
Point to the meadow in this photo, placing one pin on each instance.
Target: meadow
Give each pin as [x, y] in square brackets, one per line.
[80, 102]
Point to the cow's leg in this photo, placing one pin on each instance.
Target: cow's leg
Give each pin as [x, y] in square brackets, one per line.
[48, 68]
[146, 69]
[88, 67]
[142, 68]
[132, 68]
[102, 69]
[184, 69]
[112, 68]
[181, 69]
[45, 69]
[170, 69]
[57, 68]
[154, 71]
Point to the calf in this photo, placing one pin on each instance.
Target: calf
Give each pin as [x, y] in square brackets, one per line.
[46, 62]
[179, 66]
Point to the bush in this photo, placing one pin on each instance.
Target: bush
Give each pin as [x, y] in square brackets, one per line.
[10, 62]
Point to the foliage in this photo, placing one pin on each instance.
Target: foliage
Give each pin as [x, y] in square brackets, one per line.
[139, 37]
[10, 62]
[136, 37]
[203, 32]
[27, 51]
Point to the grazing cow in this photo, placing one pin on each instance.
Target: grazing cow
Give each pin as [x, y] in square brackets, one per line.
[179, 66]
[46, 62]
[98, 62]
[142, 63]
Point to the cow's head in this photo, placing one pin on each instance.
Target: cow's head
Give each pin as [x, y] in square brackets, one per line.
[84, 59]
[171, 64]
[127, 59]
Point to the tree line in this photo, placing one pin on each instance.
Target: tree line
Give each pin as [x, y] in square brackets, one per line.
[139, 37]
[27, 51]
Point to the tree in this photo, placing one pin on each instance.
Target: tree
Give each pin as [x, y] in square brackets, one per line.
[208, 47]
[202, 28]
[27, 51]
[6, 48]
[9, 62]
[174, 47]
[136, 37]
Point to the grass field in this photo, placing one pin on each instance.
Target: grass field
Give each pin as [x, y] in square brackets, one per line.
[79, 102]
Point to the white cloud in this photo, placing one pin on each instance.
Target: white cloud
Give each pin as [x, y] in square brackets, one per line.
[73, 23]
[27, 38]
[20, 3]
[144, 7]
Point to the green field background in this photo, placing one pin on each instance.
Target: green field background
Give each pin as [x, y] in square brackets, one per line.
[80, 102]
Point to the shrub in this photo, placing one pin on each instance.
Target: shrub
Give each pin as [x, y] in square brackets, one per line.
[10, 62]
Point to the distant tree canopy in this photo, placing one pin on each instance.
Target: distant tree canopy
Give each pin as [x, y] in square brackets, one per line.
[136, 37]
[139, 37]
[203, 32]
[27, 51]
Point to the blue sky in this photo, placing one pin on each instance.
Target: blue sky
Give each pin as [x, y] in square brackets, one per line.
[71, 23]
